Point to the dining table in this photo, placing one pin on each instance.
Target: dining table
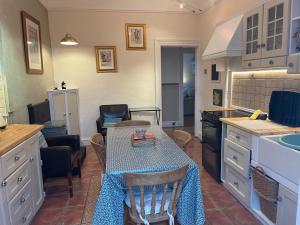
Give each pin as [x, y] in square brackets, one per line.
[122, 157]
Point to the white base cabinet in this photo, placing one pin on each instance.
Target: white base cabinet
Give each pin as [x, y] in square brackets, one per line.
[21, 183]
[64, 105]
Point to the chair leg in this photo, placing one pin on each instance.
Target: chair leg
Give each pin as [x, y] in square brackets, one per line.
[79, 168]
[70, 184]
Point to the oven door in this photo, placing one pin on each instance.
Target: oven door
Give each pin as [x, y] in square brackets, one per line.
[211, 134]
[211, 161]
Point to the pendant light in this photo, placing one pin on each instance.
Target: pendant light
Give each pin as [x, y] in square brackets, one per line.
[69, 40]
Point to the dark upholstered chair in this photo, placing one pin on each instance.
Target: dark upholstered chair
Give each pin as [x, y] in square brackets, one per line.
[61, 158]
[111, 111]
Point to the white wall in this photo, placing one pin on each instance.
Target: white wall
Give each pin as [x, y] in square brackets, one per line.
[134, 84]
[23, 88]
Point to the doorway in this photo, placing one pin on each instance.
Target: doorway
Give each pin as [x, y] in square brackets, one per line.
[178, 86]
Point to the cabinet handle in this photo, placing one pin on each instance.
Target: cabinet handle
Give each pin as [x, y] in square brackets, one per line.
[22, 200]
[70, 113]
[258, 46]
[249, 64]
[238, 137]
[20, 179]
[271, 62]
[263, 45]
[17, 158]
[65, 114]
[236, 183]
[4, 183]
[24, 219]
[279, 199]
[235, 157]
[31, 159]
[291, 65]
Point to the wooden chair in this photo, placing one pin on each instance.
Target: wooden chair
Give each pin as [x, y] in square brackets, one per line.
[158, 199]
[182, 138]
[97, 142]
[127, 123]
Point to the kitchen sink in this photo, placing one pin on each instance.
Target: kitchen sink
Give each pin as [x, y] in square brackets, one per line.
[290, 141]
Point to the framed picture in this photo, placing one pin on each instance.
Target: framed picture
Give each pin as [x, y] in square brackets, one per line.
[218, 97]
[32, 44]
[106, 59]
[215, 75]
[135, 36]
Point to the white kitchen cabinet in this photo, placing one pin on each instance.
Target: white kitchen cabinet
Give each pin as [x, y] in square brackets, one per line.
[287, 207]
[64, 105]
[266, 35]
[293, 64]
[21, 185]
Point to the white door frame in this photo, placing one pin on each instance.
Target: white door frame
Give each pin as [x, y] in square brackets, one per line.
[176, 43]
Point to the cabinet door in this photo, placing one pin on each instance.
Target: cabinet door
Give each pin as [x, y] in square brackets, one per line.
[252, 34]
[59, 106]
[287, 207]
[72, 110]
[36, 174]
[276, 24]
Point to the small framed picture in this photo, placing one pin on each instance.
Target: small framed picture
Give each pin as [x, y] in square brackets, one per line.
[135, 36]
[106, 59]
[218, 97]
[215, 75]
[32, 44]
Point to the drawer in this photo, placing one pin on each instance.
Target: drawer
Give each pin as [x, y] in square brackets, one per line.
[239, 137]
[17, 180]
[14, 158]
[293, 64]
[237, 184]
[251, 64]
[21, 201]
[237, 157]
[25, 217]
[273, 62]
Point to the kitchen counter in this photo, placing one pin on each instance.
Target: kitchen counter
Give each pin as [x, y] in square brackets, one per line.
[259, 127]
[15, 134]
[217, 109]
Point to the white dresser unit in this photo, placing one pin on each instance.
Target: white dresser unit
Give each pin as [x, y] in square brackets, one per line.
[21, 183]
[64, 105]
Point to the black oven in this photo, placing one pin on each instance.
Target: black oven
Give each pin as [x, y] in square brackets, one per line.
[212, 139]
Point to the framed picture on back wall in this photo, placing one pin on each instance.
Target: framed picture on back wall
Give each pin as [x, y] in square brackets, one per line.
[106, 59]
[32, 44]
[135, 36]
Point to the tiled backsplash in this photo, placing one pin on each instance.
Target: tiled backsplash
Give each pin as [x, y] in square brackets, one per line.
[253, 91]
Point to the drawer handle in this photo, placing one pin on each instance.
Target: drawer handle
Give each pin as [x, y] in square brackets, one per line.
[271, 62]
[263, 45]
[4, 183]
[249, 64]
[235, 157]
[20, 179]
[291, 65]
[238, 137]
[236, 183]
[65, 114]
[24, 219]
[17, 158]
[22, 200]
[31, 159]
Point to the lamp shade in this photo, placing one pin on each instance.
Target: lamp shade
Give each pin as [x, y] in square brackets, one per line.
[69, 40]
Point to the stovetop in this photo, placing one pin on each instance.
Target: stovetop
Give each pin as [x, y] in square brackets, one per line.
[214, 116]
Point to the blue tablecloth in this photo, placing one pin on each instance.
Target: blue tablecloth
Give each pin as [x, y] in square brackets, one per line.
[122, 158]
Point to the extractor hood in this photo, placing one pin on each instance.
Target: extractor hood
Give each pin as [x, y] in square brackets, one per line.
[226, 40]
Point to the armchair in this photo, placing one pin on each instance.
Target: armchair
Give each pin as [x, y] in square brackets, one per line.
[62, 157]
[109, 115]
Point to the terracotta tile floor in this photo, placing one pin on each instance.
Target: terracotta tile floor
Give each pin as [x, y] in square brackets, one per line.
[58, 209]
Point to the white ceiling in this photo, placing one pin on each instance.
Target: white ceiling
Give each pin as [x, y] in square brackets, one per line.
[131, 5]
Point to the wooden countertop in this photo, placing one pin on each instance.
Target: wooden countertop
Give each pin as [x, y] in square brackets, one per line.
[15, 134]
[217, 109]
[259, 127]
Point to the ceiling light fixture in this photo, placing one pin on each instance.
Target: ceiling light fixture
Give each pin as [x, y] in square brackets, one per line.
[181, 5]
[69, 40]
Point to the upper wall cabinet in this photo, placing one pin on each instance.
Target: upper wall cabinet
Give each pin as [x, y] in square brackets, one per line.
[266, 32]
[294, 56]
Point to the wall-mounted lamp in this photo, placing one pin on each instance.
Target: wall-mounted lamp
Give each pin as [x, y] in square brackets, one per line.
[69, 40]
